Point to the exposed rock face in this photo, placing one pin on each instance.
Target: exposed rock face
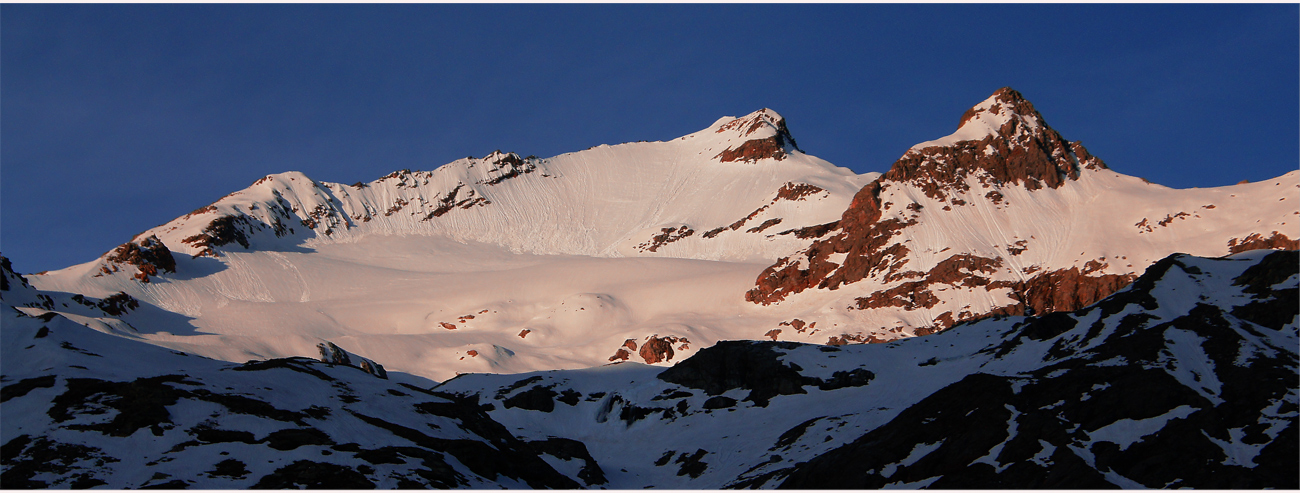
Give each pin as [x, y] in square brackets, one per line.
[739, 364]
[118, 304]
[334, 355]
[221, 231]
[755, 366]
[620, 355]
[776, 145]
[861, 235]
[1020, 149]
[657, 349]
[790, 191]
[149, 256]
[1258, 242]
[666, 236]
[1065, 290]
[507, 166]
[7, 273]
[797, 191]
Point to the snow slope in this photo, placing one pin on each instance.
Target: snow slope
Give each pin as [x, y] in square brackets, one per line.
[645, 251]
[1184, 379]
[494, 264]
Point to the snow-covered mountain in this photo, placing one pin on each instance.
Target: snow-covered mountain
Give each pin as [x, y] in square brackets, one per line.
[494, 264]
[1184, 379]
[295, 332]
[1005, 216]
[698, 196]
[649, 251]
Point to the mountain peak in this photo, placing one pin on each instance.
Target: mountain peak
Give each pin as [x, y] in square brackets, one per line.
[1006, 113]
[758, 135]
[1003, 137]
[764, 121]
[1006, 104]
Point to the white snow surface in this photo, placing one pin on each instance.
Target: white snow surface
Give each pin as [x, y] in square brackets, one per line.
[538, 264]
[560, 251]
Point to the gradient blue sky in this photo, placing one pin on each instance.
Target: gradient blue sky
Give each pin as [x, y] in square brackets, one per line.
[118, 118]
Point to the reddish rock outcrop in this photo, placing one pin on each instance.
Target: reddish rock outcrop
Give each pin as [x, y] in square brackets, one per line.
[620, 355]
[150, 256]
[447, 326]
[797, 191]
[845, 339]
[773, 333]
[448, 202]
[666, 236]
[1063, 290]
[775, 147]
[1257, 241]
[524, 333]
[657, 349]
[766, 224]
[1024, 151]
[862, 235]
[789, 191]
[814, 231]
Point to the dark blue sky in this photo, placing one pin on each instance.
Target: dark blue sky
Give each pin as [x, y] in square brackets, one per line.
[117, 118]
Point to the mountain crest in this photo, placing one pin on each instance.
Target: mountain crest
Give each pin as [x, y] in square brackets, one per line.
[758, 135]
[1000, 141]
[1006, 105]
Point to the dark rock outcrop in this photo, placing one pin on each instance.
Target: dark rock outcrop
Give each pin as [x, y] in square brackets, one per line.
[221, 231]
[334, 355]
[149, 255]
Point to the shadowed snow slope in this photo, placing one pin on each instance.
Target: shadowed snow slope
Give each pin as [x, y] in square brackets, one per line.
[1184, 379]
